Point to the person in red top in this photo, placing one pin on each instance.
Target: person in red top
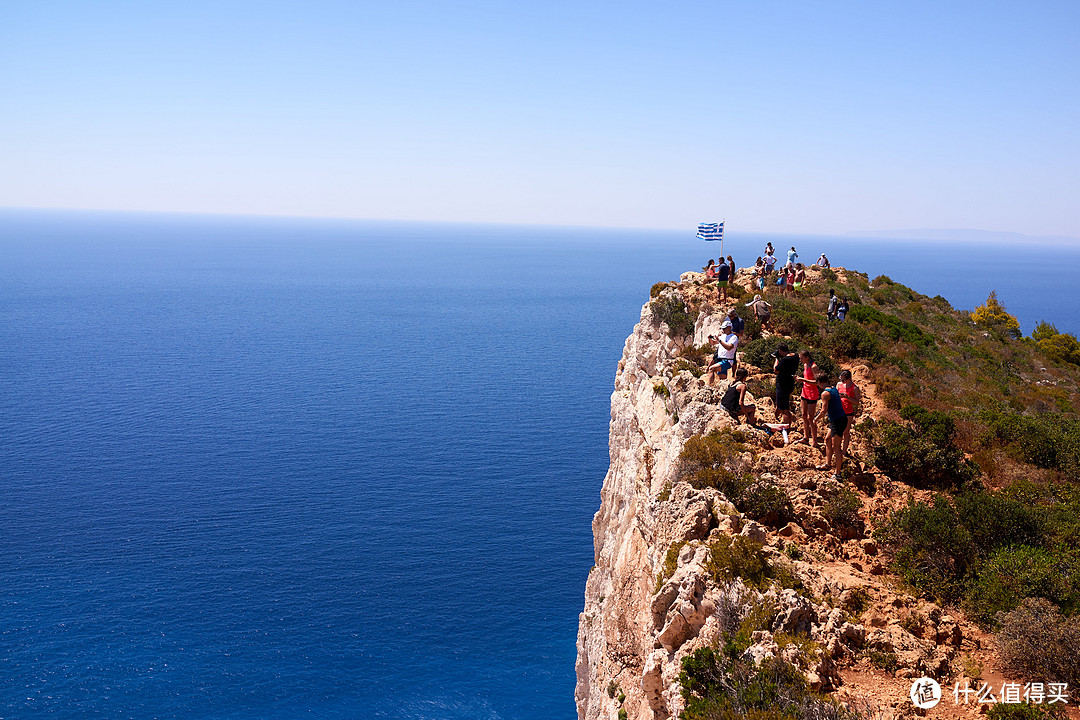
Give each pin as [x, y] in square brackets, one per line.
[850, 395]
[809, 396]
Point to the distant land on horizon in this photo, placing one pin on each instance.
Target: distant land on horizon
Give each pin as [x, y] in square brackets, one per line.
[964, 235]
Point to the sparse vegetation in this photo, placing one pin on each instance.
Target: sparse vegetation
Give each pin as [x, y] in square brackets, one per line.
[1037, 641]
[671, 563]
[673, 311]
[719, 686]
[923, 453]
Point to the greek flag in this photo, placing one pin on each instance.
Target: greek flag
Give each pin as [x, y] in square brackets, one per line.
[711, 231]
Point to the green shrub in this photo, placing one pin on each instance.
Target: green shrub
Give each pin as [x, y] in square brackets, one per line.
[694, 369]
[1062, 347]
[1012, 574]
[1026, 711]
[924, 453]
[931, 548]
[718, 686]
[995, 519]
[739, 556]
[659, 388]
[654, 291]
[891, 326]
[829, 275]
[767, 503]
[1048, 440]
[851, 340]
[791, 318]
[713, 461]
[673, 311]
[1036, 641]
[884, 660]
[671, 564]
[841, 506]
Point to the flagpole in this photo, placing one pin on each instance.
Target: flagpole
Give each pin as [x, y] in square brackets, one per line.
[723, 226]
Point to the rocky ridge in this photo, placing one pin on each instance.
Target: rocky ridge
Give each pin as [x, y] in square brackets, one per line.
[635, 631]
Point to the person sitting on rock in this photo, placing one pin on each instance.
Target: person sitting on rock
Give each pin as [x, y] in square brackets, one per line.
[734, 400]
[822, 262]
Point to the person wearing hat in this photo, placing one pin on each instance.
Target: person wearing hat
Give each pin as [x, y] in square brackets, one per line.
[724, 358]
[737, 323]
[762, 310]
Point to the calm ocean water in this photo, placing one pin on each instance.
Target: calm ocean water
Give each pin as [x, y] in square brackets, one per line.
[280, 468]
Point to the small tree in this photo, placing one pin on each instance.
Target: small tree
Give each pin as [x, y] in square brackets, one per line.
[993, 315]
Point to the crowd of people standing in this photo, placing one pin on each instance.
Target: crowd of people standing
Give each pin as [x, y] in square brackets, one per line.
[820, 399]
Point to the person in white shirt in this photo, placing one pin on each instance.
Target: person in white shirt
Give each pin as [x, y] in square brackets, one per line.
[724, 359]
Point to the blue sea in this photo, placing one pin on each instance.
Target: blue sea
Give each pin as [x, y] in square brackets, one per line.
[272, 468]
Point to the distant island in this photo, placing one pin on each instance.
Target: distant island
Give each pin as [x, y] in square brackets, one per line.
[966, 235]
[734, 577]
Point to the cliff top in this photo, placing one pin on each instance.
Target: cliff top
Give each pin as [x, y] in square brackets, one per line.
[937, 553]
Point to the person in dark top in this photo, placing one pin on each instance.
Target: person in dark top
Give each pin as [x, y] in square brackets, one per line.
[785, 365]
[734, 400]
[723, 272]
[737, 323]
[731, 269]
[832, 406]
[834, 303]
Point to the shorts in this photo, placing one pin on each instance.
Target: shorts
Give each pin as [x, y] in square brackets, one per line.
[721, 283]
[764, 318]
[798, 286]
[838, 426]
[725, 364]
[783, 399]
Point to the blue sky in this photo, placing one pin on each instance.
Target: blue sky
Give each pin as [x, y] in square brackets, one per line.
[780, 116]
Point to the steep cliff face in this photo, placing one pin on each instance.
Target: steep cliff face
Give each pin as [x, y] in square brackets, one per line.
[638, 624]
[617, 632]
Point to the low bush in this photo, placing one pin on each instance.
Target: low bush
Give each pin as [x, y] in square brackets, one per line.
[767, 503]
[1036, 641]
[1062, 347]
[851, 340]
[1048, 440]
[693, 368]
[931, 548]
[891, 326]
[738, 557]
[671, 563]
[923, 453]
[841, 505]
[714, 460]
[673, 311]
[1012, 574]
[791, 318]
[718, 686]
[1026, 711]
[655, 290]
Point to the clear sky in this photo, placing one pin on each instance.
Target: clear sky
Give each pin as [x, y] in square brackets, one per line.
[780, 116]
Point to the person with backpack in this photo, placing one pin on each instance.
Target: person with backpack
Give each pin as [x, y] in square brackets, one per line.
[832, 407]
[834, 304]
[850, 395]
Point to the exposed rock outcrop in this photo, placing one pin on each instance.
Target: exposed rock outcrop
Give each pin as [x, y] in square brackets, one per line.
[646, 610]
